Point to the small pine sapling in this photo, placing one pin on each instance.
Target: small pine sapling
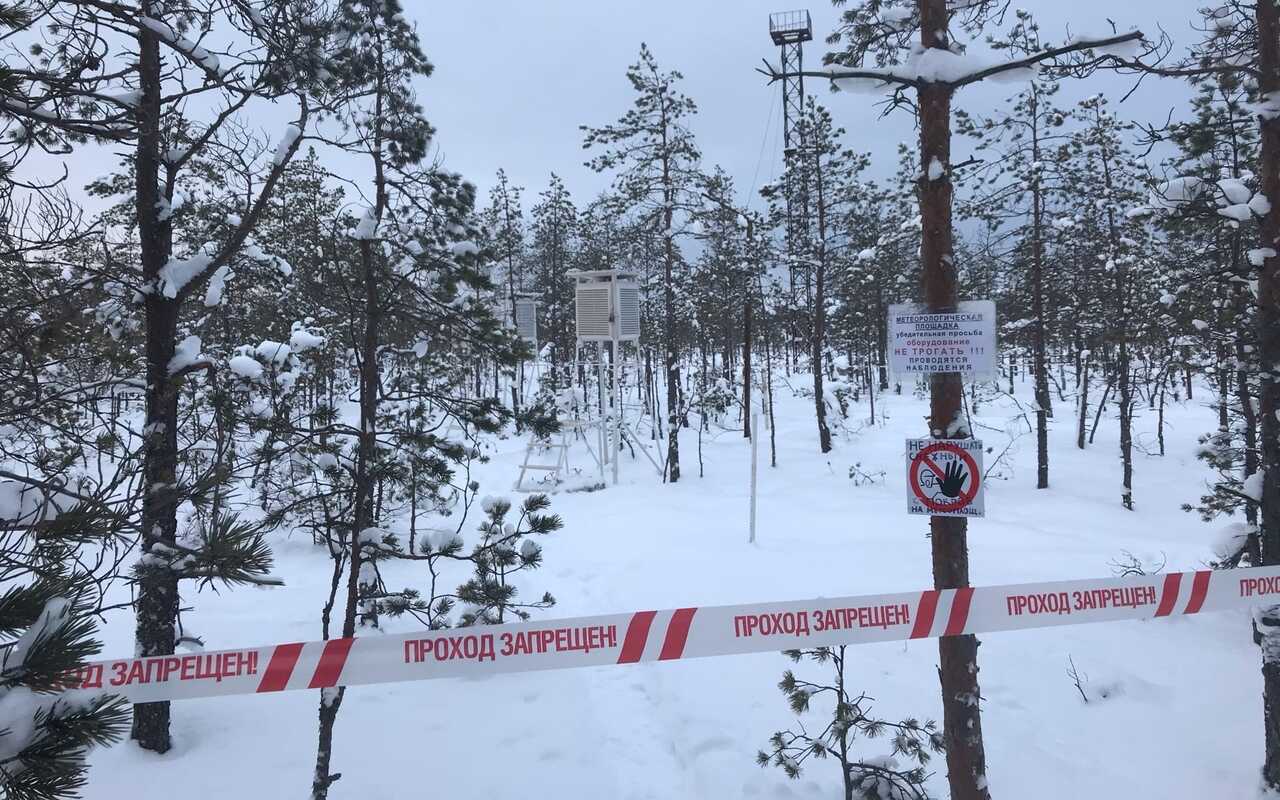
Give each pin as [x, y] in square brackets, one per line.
[900, 775]
[505, 548]
[865, 477]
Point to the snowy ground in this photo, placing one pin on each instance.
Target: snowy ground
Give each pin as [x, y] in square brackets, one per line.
[1182, 717]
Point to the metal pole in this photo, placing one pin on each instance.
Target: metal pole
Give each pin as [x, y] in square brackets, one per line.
[616, 407]
[613, 434]
[601, 433]
[755, 439]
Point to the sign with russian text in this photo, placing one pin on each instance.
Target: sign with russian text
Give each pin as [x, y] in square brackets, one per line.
[961, 341]
[944, 477]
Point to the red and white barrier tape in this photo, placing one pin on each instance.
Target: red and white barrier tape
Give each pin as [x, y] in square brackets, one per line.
[675, 634]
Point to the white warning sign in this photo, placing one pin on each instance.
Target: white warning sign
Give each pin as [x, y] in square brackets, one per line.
[944, 477]
[962, 341]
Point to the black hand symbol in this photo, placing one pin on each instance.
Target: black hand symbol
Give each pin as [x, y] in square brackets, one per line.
[953, 480]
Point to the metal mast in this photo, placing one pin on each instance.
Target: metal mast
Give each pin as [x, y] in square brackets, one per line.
[789, 30]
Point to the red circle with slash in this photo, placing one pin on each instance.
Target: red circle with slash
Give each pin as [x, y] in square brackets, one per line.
[922, 461]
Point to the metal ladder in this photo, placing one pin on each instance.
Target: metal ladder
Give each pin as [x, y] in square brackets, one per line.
[541, 446]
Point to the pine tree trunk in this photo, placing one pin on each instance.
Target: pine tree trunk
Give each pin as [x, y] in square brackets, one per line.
[768, 379]
[818, 329]
[958, 655]
[1223, 374]
[1039, 366]
[156, 607]
[1268, 322]
[1126, 425]
[1160, 420]
[1186, 359]
[673, 368]
[651, 400]
[363, 483]
[157, 598]
[882, 339]
[1082, 426]
[1124, 367]
[364, 490]
[746, 358]
[1102, 406]
[871, 391]
[1245, 398]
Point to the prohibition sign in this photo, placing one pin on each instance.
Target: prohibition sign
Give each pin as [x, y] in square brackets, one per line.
[922, 461]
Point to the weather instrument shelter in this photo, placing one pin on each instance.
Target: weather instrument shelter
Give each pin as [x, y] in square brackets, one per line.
[526, 319]
[607, 332]
[606, 305]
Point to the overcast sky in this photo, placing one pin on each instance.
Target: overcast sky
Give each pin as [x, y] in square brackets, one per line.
[514, 79]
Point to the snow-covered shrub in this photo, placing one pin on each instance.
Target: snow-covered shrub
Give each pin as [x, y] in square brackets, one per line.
[44, 734]
[506, 548]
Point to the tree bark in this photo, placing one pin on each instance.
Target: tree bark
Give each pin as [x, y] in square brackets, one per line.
[1268, 322]
[1039, 365]
[157, 600]
[1124, 369]
[673, 367]
[518, 377]
[746, 358]
[669, 311]
[818, 329]
[1245, 398]
[957, 655]
[1125, 396]
[363, 487]
[1082, 426]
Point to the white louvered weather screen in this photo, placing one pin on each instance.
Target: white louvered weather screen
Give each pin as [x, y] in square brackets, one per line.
[592, 303]
[527, 319]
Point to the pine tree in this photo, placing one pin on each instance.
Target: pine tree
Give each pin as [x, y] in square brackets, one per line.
[1243, 39]
[504, 218]
[829, 171]
[136, 91]
[655, 160]
[868, 32]
[65, 512]
[863, 285]
[417, 313]
[1021, 184]
[1217, 155]
[882, 777]
[715, 289]
[552, 249]
[1124, 249]
[381, 59]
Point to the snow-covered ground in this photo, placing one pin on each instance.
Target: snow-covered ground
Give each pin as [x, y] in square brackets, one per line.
[1175, 707]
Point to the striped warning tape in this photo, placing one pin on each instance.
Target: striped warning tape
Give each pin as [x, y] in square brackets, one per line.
[675, 634]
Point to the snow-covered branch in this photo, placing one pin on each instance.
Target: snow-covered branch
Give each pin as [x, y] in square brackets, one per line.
[179, 275]
[935, 65]
[1050, 54]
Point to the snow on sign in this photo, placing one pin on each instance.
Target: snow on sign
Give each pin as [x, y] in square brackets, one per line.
[962, 341]
[944, 477]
